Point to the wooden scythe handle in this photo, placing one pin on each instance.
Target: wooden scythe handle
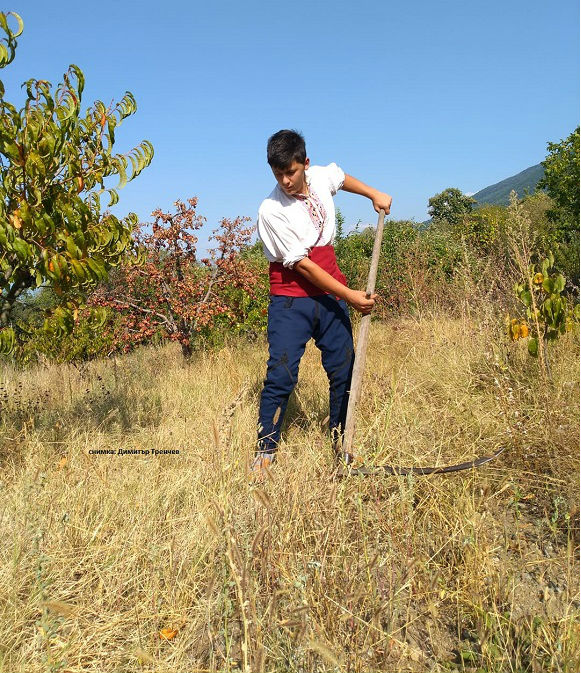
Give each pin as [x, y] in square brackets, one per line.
[362, 340]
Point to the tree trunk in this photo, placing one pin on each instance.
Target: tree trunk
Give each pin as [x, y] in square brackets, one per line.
[186, 350]
[21, 282]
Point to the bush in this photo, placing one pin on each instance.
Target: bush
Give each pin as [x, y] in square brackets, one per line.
[88, 340]
[415, 267]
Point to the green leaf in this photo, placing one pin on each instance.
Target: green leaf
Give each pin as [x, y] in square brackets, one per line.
[22, 249]
[533, 347]
[113, 197]
[10, 149]
[62, 263]
[526, 298]
[97, 269]
[78, 270]
[121, 165]
[72, 249]
[7, 341]
[49, 222]
[18, 33]
[53, 268]
[559, 285]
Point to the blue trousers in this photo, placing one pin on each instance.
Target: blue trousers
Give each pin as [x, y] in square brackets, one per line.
[292, 322]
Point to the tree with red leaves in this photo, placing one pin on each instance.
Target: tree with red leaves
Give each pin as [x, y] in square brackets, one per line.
[172, 293]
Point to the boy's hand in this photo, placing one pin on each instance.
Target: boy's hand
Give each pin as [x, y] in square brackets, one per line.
[359, 301]
[382, 201]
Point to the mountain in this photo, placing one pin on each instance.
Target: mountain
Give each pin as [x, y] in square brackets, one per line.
[522, 182]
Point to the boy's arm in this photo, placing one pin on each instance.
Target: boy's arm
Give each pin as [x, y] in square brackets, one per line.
[380, 200]
[319, 277]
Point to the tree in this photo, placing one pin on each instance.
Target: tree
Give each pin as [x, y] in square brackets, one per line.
[450, 206]
[54, 165]
[173, 295]
[483, 228]
[561, 180]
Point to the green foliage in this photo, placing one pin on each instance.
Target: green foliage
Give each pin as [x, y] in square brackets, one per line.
[547, 308]
[339, 226]
[537, 207]
[54, 165]
[7, 341]
[250, 310]
[451, 206]
[414, 265]
[417, 267]
[8, 43]
[89, 337]
[483, 228]
[34, 305]
[353, 253]
[561, 181]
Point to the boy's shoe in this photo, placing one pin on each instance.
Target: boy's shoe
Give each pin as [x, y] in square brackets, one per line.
[260, 467]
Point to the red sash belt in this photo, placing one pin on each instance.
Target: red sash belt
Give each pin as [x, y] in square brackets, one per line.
[290, 283]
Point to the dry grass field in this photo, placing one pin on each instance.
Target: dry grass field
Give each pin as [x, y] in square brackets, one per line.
[134, 560]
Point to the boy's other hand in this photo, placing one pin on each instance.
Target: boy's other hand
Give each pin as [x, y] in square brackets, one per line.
[359, 301]
[382, 201]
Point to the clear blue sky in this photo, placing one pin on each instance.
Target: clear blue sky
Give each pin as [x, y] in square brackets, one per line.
[409, 96]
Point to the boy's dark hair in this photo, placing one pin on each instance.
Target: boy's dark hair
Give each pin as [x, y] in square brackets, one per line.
[284, 147]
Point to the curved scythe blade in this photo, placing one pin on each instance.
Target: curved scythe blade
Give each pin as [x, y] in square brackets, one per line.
[347, 470]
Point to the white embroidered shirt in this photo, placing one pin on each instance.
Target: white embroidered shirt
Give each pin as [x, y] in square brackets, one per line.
[290, 226]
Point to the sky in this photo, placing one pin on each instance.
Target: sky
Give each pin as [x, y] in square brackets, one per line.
[411, 97]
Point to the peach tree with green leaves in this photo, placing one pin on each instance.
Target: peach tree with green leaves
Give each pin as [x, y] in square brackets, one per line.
[56, 164]
[540, 290]
[548, 310]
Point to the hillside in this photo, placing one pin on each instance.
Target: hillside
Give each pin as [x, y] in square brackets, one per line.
[523, 182]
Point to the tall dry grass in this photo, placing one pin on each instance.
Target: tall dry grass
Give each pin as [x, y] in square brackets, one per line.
[475, 571]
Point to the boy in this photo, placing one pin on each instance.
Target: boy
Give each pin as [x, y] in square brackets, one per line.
[309, 295]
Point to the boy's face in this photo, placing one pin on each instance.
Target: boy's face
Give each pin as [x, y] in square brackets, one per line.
[292, 178]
